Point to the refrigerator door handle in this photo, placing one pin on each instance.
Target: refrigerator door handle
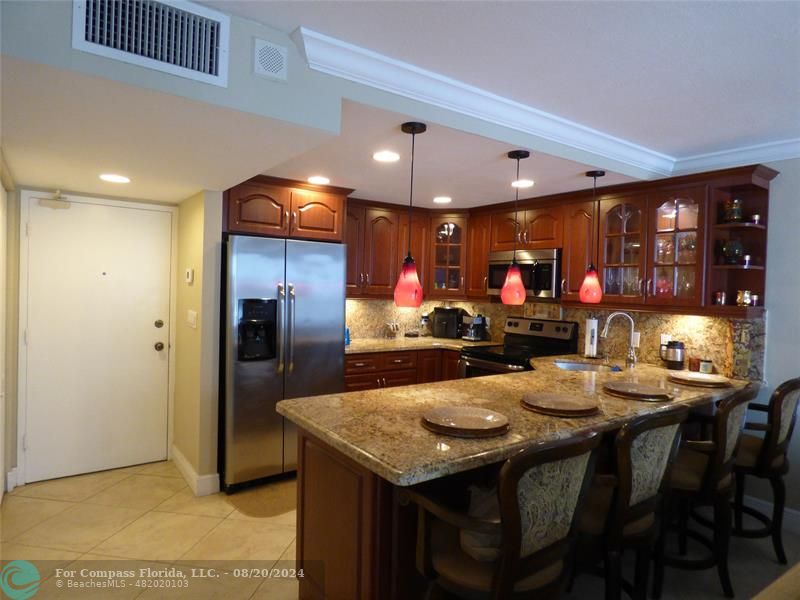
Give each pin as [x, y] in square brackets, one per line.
[281, 310]
[292, 312]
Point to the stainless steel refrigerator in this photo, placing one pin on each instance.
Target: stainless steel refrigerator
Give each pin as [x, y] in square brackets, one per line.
[283, 338]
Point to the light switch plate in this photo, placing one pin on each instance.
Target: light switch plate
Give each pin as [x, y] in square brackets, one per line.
[189, 275]
[191, 318]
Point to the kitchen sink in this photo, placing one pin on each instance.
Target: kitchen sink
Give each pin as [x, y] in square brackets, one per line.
[573, 365]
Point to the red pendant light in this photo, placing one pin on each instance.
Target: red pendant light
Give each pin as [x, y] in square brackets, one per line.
[591, 291]
[513, 290]
[408, 291]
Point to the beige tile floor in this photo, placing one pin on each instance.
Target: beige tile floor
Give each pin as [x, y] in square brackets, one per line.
[146, 516]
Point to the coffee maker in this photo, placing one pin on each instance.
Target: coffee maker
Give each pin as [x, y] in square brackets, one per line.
[447, 322]
[476, 328]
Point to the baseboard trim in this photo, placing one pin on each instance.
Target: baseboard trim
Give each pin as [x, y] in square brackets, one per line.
[791, 516]
[11, 479]
[201, 485]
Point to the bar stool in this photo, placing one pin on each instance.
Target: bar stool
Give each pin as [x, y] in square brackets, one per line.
[765, 457]
[702, 476]
[622, 508]
[520, 542]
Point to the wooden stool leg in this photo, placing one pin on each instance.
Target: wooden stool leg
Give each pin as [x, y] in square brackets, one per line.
[739, 502]
[642, 573]
[779, 499]
[683, 526]
[613, 573]
[722, 538]
[658, 555]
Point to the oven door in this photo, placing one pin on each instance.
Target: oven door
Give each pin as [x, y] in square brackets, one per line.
[476, 367]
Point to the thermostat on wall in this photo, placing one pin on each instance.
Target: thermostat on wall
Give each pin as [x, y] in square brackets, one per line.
[189, 276]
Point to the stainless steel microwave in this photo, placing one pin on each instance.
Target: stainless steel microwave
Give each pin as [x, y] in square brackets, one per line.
[541, 272]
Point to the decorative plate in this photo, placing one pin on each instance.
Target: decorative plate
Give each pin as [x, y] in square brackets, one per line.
[465, 421]
[699, 379]
[560, 405]
[637, 391]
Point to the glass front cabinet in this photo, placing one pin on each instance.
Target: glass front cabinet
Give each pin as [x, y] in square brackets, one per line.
[652, 247]
[448, 253]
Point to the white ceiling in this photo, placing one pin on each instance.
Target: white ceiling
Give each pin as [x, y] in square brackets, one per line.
[61, 129]
[470, 169]
[681, 78]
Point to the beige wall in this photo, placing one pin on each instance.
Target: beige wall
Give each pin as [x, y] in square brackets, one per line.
[196, 349]
[11, 291]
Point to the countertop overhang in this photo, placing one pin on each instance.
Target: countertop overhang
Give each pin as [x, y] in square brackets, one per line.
[398, 344]
[380, 429]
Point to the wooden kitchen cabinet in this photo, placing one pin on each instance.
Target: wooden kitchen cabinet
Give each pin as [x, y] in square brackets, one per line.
[429, 366]
[316, 215]
[479, 235]
[579, 246]
[277, 207]
[535, 228]
[379, 369]
[450, 360]
[676, 246]
[448, 256]
[380, 251]
[354, 230]
[623, 248]
[259, 208]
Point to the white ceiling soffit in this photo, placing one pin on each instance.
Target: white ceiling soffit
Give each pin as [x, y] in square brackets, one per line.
[348, 61]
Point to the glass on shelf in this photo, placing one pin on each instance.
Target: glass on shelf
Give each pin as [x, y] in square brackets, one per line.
[448, 233]
[453, 278]
[630, 281]
[612, 283]
[666, 216]
[684, 287]
[664, 282]
[665, 248]
[633, 219]
[614, 250]
[687, 247]
[454, 255]
[631, 246]
[688, 212]
[614, 221]
[439, 278]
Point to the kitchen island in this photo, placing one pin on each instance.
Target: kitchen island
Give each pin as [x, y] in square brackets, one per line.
[357, 451]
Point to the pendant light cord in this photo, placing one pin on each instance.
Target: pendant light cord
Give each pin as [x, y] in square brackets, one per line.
[516, 221]
[596, 214]
[411, 192]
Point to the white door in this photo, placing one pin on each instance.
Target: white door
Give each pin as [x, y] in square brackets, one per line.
[3, 254]
[96, 387]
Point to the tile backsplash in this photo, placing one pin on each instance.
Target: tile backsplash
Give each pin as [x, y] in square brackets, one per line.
[735, 346]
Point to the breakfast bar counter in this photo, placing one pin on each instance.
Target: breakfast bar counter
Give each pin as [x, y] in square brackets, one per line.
[358, 450]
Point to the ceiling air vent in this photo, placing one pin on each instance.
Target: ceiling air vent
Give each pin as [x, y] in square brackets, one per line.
[173, 36]
[270, 60]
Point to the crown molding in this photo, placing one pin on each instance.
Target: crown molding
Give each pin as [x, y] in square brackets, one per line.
[341, 59]
[735, 157]
[348, 61]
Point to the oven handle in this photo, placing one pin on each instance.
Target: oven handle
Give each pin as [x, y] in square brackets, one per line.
[465, 363]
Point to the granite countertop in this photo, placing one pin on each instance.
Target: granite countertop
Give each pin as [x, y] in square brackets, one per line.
[380, 429]
[364, 345]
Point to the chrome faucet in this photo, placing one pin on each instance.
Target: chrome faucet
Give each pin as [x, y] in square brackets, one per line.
[630, 359]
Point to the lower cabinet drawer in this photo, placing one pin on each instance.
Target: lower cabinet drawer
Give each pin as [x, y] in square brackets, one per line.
[391, 361]
[359, 383]
[362, 363]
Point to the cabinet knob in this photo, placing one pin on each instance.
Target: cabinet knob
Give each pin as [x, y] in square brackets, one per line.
[563, 286]
[485, 284]
[359, 365]
[649, 289]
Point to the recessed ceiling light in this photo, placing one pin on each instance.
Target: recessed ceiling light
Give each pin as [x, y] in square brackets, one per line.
[319, 180]
[386, 156]
[443, 200]
[114, 178]
[522, 183]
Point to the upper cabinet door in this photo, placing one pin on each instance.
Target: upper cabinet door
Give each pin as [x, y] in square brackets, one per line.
[506, 230]
[578, 250]
[448, 256]
[380, 251]
[420, 248]
[316, 215]
[258, 208]
[479, 235]
[542, 228]
[623, 237]
[354, 230]
[676, 257]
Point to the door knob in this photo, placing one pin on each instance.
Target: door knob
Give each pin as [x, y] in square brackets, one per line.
[159, 346]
